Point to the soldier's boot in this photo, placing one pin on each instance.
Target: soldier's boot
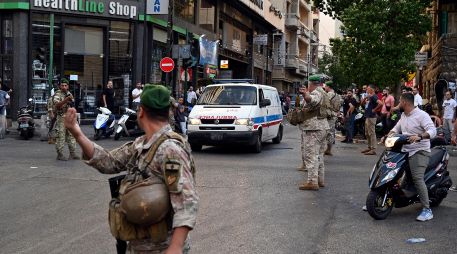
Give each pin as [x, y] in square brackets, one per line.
[73, 156]
[329, 150]
[309, 186]
[302, 167]
[60, 157]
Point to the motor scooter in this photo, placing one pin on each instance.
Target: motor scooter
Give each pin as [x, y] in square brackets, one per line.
[127, 125]
[104, 124]
[25, 121]
[391, 184]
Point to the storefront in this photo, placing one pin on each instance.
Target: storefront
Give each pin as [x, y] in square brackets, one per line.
[87, 42]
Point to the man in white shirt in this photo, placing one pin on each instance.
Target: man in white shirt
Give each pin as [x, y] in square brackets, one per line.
[449, 106]
[420, 128]
[191, 96]
[417, 98]
[136, 95]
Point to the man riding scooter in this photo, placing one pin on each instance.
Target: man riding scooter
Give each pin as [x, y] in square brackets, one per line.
[420, 128]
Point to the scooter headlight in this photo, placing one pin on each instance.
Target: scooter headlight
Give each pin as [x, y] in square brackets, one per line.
[390, 175]
[390, 142]
[194, 121]
[243, 121]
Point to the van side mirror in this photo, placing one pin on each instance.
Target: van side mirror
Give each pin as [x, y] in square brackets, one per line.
[265, 103]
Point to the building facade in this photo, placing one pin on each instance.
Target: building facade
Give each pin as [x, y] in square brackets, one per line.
[94, 41]
[440, 72]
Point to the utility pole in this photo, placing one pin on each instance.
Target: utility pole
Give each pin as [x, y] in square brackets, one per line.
[170, 40]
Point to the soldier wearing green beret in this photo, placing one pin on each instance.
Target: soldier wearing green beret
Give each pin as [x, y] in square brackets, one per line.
[156, 219]
[335, 104]
[62, 101]
[314, 131]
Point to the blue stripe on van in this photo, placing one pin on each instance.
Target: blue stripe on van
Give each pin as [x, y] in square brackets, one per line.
[263, 119]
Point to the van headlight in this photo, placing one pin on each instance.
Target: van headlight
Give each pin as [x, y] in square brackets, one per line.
[244, 121]
[194, 121]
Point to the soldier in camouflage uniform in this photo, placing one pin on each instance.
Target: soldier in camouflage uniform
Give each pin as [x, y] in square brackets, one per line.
[314, 130]
[171, 163]
[171, 116]
[335, 103]
[62, 101]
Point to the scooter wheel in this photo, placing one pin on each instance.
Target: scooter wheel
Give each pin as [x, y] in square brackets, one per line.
[117, 136]
[97, 135]
[374, 204]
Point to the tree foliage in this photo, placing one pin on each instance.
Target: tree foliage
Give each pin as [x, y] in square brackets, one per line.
[380, 37]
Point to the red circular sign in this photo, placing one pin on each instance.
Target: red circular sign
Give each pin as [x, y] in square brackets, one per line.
[167, 64]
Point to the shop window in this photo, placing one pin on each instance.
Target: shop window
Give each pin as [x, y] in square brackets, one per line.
[120, 60]
[185, 9]
[207, 14]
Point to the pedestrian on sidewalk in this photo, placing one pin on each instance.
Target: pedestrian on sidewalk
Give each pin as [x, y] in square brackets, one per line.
[388, 102]
[372, 105]
[349, 112]
[314, 130]
[63, 100]
[4, 100]
[417, 98]
[335, 104]
[136, 95]
[158, 201]
[181, 117]
[449, 115]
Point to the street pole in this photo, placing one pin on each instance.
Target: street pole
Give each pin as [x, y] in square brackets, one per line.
[169, 40]
[51, 52]
[145, 41]
[184, 90]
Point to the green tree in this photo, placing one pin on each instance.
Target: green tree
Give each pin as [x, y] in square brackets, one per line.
[380, 37]
[329, 65]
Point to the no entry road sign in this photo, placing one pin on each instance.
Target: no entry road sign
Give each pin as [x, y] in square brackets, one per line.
[167, 64]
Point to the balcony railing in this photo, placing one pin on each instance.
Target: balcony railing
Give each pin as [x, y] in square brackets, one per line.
[292, 61]
[302, 66]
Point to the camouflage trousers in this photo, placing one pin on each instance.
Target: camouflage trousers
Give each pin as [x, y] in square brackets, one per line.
[63, 136]
[314, 147]
[331, 132]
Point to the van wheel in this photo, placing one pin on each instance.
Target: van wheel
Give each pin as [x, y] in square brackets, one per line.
[257, 147]
[278, 138]
[196, 147]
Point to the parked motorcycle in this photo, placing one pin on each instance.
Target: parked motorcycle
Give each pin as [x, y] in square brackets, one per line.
[25, 121]
[391, 184]
[127, 125]
[104, 124]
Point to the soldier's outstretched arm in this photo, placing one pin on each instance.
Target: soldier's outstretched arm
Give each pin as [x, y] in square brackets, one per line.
[73, 127]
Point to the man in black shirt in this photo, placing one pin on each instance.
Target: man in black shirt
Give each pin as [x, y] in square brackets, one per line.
[349, 106]
[108, 96]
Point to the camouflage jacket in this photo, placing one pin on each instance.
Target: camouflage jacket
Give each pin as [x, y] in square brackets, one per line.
[314, 123]
[183, 194]
[335, 103]
[58, 97]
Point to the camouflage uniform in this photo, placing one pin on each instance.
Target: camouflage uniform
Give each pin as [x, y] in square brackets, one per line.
[62, 134]
[335, 102]
[184, 199]
[171, 115]
[314, 131]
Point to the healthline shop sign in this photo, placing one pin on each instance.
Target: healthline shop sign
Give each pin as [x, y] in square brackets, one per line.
[106, 8]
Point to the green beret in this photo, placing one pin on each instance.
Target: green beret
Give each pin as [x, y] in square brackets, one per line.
[314, 78]
[155, 96]
[64, 80]
[329, 83]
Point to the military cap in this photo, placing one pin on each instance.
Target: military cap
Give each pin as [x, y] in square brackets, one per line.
[329, 83]
[314, 78]
[155, 96]
[64, 80]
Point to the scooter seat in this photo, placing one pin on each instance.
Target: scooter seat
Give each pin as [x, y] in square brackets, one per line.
[435, 157]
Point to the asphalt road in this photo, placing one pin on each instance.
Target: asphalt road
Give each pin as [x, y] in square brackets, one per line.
[250, 203]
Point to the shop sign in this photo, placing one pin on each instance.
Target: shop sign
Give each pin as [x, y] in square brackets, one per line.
[261, 39]
[155, 7]
[105, 8]
[224, 64]
[210, 71]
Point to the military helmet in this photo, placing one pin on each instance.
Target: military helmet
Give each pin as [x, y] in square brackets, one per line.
[145, 203]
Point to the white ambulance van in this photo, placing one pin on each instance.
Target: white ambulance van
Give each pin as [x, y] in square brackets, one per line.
[236, 113]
